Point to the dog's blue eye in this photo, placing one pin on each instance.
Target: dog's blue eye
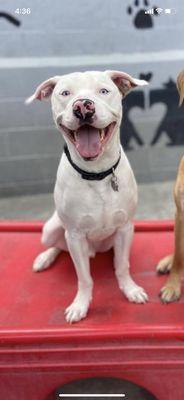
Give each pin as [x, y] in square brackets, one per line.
[104, 91]
[65, 93]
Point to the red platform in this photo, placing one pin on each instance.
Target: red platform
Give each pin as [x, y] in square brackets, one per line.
[39, 351]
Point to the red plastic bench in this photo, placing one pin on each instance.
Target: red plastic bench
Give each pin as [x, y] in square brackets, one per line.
[39, 351]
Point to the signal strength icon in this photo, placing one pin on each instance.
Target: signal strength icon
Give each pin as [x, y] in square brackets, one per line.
[151, 11]
[154, 11]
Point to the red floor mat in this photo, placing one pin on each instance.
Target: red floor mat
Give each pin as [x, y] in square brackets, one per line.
[32, 302]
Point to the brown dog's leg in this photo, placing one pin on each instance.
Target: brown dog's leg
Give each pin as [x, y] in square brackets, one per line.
[172, 290]
[175, 263]
[164, 265]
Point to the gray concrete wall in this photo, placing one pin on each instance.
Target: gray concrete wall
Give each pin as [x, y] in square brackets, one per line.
[63, 36]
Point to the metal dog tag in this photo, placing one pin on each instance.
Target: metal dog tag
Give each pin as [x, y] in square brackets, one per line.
[114, 182]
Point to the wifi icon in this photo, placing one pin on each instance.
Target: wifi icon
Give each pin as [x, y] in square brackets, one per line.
[159, 10]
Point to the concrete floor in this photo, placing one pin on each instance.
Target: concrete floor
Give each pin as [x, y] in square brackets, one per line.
[155, 202]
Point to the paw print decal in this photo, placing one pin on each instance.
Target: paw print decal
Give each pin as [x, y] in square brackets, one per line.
[142, 20]
[10, 18]
[147, 77]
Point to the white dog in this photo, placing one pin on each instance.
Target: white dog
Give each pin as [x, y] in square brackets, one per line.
[95, 192]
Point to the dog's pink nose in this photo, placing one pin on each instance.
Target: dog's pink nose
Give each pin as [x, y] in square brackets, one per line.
[83, 109]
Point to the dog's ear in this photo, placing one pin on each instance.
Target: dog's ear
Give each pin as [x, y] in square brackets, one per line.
[180, 87]
[125, 82]
[44, 90]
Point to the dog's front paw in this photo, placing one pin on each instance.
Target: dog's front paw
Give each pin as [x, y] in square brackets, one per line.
[170, 293]
[165, 265]
[136, 294]
[76, 311]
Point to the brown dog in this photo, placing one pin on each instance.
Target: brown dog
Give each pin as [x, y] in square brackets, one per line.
[175, 262]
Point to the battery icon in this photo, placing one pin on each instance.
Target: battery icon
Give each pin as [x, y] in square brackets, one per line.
[170, 11]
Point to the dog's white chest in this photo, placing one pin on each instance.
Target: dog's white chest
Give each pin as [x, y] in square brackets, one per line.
[94, 208]
[104, 227]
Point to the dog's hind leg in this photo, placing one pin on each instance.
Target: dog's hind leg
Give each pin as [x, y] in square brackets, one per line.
[122, 243]
[53, 238]
[45, 259]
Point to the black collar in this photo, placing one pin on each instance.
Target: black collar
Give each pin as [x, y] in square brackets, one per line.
[91, 176]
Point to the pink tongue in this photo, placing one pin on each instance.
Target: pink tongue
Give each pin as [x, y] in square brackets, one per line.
[88, 141]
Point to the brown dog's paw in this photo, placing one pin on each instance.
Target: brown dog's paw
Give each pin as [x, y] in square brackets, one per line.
[165, 265]
[170, 293]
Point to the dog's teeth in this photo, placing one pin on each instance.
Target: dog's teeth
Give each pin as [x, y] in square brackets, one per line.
[102, 134]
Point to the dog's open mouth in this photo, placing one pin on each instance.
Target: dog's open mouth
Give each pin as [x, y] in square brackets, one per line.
[88, 140]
